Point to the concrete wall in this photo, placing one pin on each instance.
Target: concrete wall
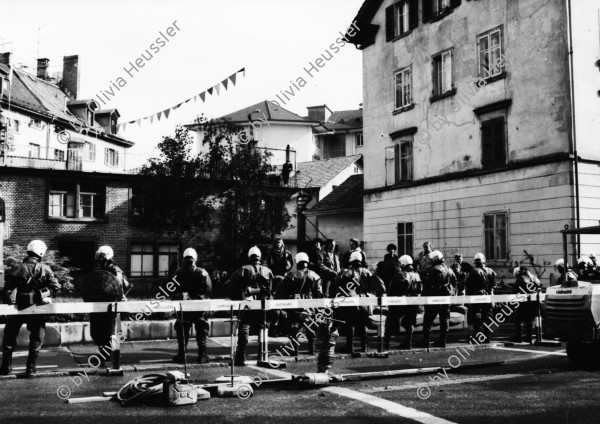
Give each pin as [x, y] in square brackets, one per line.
[450, 214]
[449, 139]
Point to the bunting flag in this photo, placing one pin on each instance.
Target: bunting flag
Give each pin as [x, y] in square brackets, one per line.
[216, 88]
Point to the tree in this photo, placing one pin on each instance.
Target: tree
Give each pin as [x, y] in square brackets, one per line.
[225, 191]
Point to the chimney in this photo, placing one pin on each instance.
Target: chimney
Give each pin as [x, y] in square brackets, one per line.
[318, 113]
[42, 68]
[70, 82]
[5, 58]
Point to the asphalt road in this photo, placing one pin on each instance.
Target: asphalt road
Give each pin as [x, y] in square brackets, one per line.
[532, 385]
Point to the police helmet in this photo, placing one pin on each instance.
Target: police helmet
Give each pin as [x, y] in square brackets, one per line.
[406, 260]
[104, 252]
[301, 257]
[584, 260]
[479, 257]
[190, 253]
[436, 255]
[355, 256]
[37, 247]
[254, 251]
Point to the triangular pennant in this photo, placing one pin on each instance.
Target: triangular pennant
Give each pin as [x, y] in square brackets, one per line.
[217, 89]
[119, 127]
[151, 119]
[131, 122]
[158, 116]
[139, 122]
[187, 100]
[243, 70]
[233, 78]
[178, 106]
[224, 82]
[203, 96]
[210, 90]
[124, 125]
[166, 112]
[195, 98]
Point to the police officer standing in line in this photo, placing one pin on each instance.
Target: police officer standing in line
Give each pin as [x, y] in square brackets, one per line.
[102, 325]
[527, 283]
[406, 282]
[302, 284]
[481, 281]
[354, 248]
[329, 266]
[352, 282]
[34, 283]
[251, 282]
[193, 283]
[565, 279]
[439, 281]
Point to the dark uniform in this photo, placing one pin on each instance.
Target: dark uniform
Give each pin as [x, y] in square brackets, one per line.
[29, 279]
[111, 278]
[280, 261]
[251, 282]
[194, 284]
[439, 281]
[349, 283]
[526, 283]
[404, 283]
[481, 281]
[301, 284]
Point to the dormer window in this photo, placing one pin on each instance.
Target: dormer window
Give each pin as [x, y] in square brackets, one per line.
[113, 126]
[90, 118]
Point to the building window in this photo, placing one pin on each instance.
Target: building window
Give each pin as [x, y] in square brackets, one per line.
[90, 118]
[491, 59]
[167, 258]
[142, 260]
[401, 18]
[34, 151]
[439, 6]
[399, 163]
[113, 126]
[111, 157]
[89, 151]
[77, 200]
[59, 155]
[434, 10]
[405, 238]
[35, 123]
[16, 125]
[150, 259]
[442, 73]
[496, 236]
[359, 140]
[402, 81]
[493, 141]
[334, 146]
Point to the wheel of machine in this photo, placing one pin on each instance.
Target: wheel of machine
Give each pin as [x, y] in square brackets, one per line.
[584, 355]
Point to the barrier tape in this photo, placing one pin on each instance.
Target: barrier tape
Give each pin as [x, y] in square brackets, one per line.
[166, 306]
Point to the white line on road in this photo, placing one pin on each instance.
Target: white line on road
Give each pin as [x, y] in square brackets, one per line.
[389, 406]
[538, 352]
[444, 383]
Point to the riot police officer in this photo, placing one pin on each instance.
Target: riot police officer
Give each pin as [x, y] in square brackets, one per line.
[526, 283]
[109, 279]
[481, 281]
[302, 284]
[251, 282]
[193, 283]
[439, 281]
[34, 283]
[406, 282]
[568, 278]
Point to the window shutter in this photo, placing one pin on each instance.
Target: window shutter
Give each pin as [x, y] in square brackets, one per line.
[493, 142]
[397, 163]
[427, 10]
[454, 3]
[389, 165]
[413, 11]
[106, 156]
[487, 147]
[498, 141]
[116, 158]
[389, 23]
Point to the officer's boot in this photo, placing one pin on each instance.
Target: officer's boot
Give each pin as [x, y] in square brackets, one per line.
[6, 367]
[348, 348]
[442, 341]
[386, 342]
[182, 341]
[519, 332]
[203, 329]
[312, 343]
[529, 332]
[426, 339]
[325, 358]
[30, 368]
[364, 344]
[407, 345]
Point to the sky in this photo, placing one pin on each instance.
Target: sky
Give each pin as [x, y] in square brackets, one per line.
[272, 39]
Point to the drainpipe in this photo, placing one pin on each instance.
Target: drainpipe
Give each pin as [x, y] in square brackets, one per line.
[573, 146]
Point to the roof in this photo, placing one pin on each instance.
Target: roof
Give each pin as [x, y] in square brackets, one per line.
[319, 172]
[343, 120]
[37, 95]
[366, 36]
[348, 196]
[264, 110]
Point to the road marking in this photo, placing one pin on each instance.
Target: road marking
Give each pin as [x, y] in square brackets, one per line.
[538, 352]
[389, 406]
[444, 383]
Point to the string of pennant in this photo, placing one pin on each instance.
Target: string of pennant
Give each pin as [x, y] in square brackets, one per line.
[232, 79]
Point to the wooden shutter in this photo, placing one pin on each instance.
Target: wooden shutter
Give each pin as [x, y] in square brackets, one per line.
[106, 158]
[493, 142]
[389, 22]
[413, 14]
[427, 10]
[116, 158]
[454, 3]
[389, 165]
[397, 163]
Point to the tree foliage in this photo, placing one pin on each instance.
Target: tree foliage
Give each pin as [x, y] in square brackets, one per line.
[226, 189]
